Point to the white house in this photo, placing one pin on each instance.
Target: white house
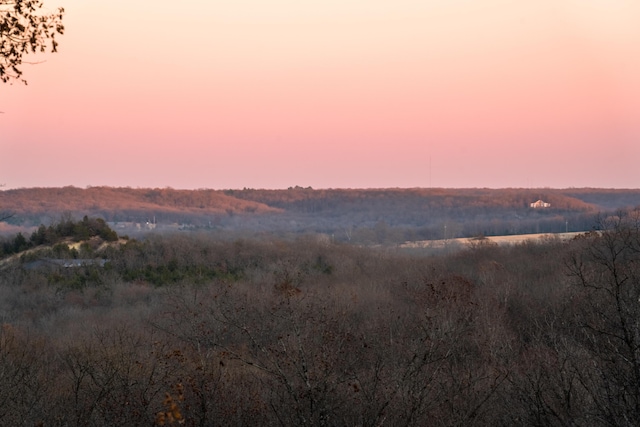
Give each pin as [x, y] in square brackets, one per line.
[540, 204]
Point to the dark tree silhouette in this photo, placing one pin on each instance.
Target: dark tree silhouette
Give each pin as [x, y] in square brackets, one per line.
[24, 30]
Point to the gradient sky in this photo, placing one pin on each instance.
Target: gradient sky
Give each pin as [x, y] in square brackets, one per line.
[330, 94]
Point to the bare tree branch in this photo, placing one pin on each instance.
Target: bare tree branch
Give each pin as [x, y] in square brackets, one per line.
[22, 31]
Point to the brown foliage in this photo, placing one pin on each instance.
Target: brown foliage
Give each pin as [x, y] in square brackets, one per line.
[313, 333]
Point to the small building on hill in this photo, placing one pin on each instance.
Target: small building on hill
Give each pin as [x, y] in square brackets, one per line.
[540, 204]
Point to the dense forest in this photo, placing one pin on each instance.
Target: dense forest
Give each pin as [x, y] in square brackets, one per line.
[360, 216]
[187, 328]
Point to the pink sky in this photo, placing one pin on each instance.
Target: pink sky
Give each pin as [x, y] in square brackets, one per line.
[338, 93]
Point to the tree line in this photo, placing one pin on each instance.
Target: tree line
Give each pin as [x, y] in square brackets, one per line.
[65, 229]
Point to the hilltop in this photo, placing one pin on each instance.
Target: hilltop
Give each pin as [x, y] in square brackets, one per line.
[123, 203]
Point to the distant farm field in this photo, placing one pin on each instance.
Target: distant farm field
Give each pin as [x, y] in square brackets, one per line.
[499, 240]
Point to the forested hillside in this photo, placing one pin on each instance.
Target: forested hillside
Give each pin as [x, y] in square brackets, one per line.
[606, 198]
[187, 329]
[364, 216]
[122, 204]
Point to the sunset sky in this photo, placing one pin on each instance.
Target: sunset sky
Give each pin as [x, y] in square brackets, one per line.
[330, 94]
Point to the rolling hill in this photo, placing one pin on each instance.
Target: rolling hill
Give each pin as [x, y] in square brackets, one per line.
[368, 215]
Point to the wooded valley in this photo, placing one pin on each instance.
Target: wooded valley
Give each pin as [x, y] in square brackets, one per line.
[357, 216]
[192, 329]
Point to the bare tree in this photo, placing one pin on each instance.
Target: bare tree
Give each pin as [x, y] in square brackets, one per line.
[608, 322]
[4, 215]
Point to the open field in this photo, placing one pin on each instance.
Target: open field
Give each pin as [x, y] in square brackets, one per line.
[499, 240]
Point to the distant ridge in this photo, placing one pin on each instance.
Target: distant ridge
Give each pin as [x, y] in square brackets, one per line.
[425, 211]
[110, 201]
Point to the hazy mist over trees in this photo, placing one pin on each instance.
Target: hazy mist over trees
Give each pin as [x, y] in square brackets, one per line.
[363, 216]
